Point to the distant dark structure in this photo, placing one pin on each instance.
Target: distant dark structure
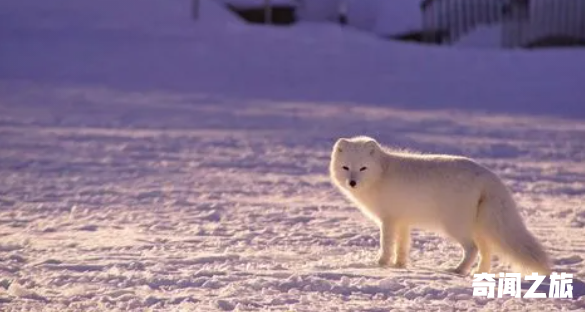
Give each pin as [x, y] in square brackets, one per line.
[283, 13]
[280, 14]
[512, 23]
[422, 36]
[523, 23]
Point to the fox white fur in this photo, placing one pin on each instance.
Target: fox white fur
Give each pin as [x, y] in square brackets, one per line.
[447, 194]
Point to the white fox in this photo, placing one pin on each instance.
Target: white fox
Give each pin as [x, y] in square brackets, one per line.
[449, 194]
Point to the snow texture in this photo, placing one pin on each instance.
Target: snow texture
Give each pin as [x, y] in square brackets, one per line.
[318, 10]
[362, 14]
[149, 162]
[483, 36]
[397, 17]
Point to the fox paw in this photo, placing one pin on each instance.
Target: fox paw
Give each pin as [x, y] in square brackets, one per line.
[458, 271]
[384, 261]
[399, 264]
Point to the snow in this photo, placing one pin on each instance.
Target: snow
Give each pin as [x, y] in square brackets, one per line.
[398, 17]
[147, 15]
[318, 10]
[362, 14]
[378, 16]
[153, 162]
[482, 36]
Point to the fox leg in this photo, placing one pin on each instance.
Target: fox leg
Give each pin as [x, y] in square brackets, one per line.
[388, 235]
[485, 256]
[402, 245]
[469, 257]
[394, 244]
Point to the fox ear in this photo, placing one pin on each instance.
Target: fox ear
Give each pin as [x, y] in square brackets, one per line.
[372, 147]
[340, 144]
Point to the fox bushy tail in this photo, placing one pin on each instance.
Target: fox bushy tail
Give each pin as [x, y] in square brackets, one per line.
[501, 224]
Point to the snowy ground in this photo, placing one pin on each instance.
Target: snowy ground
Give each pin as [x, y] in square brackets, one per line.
[187, 171]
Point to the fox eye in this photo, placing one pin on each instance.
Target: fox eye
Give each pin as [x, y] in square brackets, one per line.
[363, 168]
[345, 168]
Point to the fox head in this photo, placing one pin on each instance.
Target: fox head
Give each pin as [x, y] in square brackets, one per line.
[356, 163]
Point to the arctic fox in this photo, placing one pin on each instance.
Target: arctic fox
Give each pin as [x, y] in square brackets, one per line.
[448, 194]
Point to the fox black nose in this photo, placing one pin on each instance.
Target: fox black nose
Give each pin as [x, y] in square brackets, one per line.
[352, 183]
